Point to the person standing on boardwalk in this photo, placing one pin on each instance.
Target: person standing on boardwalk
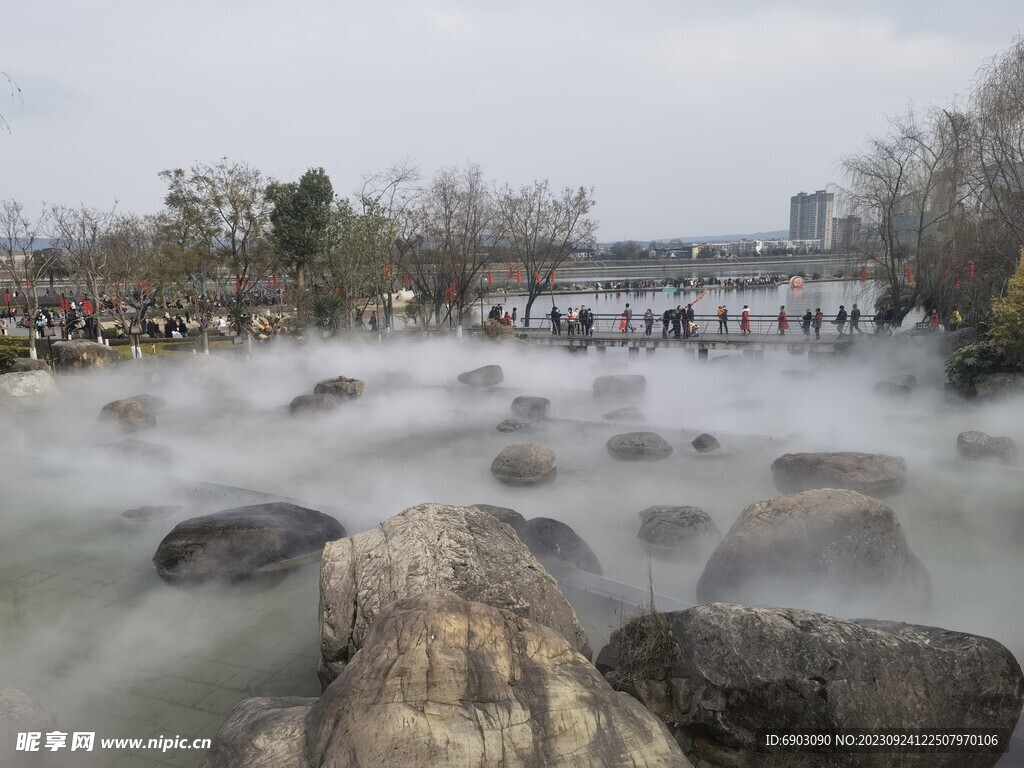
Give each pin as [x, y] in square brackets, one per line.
[723, 320]
[805, 322]
[515, 316]
[783, 321]
[745, 321]
[855, 320]
[677, 319]
[570, 321]
[666, 318]
[648, 322]
[819, 318]
[556, 321]
[840, 320]
[628, 314]
[688, 324]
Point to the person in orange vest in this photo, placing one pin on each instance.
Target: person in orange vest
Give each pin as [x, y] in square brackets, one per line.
[819, 318]
[783, 321]
[744, 320]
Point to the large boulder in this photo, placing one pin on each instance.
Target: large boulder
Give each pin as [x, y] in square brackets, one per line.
[447, 682]
[487, 376]
[976, 446]
[524, 464]
[630, 414]
[994, 385]
[722, 676]
[638, 446]
[506, 515]
[874, 474]
[81, 354]
[427, 548]
[128, 414]
[816, 545]
[313, 404]
[665, 529]
[557, 545]
[531, 408]
[621, 385]
[27, 391]
[245, 541]
[340, 387]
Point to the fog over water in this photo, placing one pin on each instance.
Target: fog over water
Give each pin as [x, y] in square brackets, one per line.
[89, 631]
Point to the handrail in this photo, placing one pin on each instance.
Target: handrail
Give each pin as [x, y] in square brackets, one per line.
[706, 323]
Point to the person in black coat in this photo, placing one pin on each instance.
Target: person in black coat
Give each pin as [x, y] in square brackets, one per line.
[556, 322]
[666, 318]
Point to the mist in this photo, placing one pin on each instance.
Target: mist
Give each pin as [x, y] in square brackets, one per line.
[91, 633]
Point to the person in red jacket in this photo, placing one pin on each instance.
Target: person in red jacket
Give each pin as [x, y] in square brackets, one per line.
[783, 320]
[745, 321]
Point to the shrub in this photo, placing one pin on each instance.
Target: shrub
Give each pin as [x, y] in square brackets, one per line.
[966, 364]
[1007, 330]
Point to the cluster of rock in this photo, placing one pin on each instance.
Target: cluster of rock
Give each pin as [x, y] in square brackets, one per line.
[245, 541]
[721, 676]
[552, 542]
[979, 446]
[825, 542]
[444, 642]
[327, 395]
[526, 409]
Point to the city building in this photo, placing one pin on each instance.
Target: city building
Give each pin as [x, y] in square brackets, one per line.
[810, 217]
[845, 233]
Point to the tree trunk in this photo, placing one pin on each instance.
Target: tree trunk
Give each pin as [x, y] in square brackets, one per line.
[300, 285]
[205, 336]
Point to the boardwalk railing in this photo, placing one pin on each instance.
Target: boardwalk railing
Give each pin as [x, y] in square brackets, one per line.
[760, 325]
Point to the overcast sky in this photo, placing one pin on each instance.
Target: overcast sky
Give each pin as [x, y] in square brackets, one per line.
[685, 117]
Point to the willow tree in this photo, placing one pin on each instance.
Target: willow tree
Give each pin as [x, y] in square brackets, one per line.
[538, 229]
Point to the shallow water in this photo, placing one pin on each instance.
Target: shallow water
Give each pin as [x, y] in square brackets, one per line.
[90, 632]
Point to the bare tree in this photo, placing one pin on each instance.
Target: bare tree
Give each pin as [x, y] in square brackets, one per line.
[18, 236]
[129, 242]
[78, 238]
[15, 97]
[540, 228]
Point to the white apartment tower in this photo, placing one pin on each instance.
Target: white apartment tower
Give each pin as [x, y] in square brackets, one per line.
[810, 217]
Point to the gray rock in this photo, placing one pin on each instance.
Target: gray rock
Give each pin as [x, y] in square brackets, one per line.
[81, 354]
[905, 380]
[486, 376]
[557, 544]
[27, 391]
[424, 549]
[673, 529]
[504, 514]
[128, 415]
[531, 408]
[447, 682]
[245, 541]
[23, 364]
[513, 425]
[705, 443]
[815, 545]
[620, 385]
[638, 446]
[340, 387]
[721, 676]
[978, 446]
[524, 464]
[262, 733]
[629, 414]
[893, 390]
[995, 385]
[151, 403]
[148, 514]
[874, 474]
[315, 403]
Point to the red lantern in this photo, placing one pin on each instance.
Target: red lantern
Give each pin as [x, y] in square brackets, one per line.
[87, 307]
[536, 276]
[387, 272]
[863, 273]
[970, 269]
[490, 280]
[273, 281]
[956, 286]
[552, 278]
[405, 278]
[143, 284]
[27, 282]
[519, 276]
[8, 298]
[908, 274]
[510, 273]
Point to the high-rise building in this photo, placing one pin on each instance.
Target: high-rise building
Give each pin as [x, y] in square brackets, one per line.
[810, 217]
[845, 233]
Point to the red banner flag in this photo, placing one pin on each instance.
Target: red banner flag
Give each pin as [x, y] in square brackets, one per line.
[552, 276]
[27, 282]
[863, 273]
[490, 280]
[405, 278]
[274, 280]
[143, 284]
[8, 298]
[519, 276]
[87, 307]
[908, 274]
[970, 269]
[510, 273]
